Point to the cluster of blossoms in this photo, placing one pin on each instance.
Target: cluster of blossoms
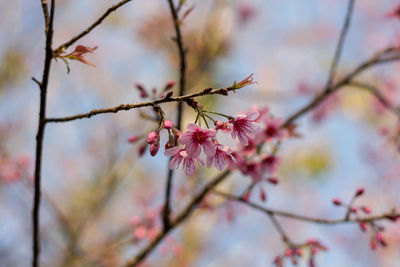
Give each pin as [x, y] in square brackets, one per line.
[295, 252]
[251, 129]
[376, 229]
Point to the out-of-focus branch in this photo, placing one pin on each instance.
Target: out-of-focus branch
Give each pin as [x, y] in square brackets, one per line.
[375, 91]
[386, 216]
[67, 44]
[40, 133]
[340, 44]
[94, 112]
[388, 55]
[182, 216]
[182, 83]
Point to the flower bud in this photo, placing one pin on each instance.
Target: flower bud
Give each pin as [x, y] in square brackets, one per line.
[153, 137]
[359, 191]
[154, 148]
[168, 124]
[366, 209]
[134, 139]
[169, 85]
[337, 201]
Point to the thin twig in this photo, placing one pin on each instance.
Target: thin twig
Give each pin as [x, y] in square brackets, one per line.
[40, 136]
[385, 216]
[346, 80]
[182, 83]
[67, 44]
[94, 112]
[340, 44]
[375, 91]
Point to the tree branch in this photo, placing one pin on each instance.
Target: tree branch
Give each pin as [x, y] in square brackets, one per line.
[340, 44]
[40, 135]
[94, 112]
[183, 215]
[67, 44]
[385, 216]
[182, 83]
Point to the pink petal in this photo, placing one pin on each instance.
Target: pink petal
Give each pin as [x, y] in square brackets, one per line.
[193, 149]
[185, 138]
[209, 148]
[189, 166]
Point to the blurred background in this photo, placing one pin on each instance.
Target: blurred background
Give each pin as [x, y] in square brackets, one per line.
[95, 185]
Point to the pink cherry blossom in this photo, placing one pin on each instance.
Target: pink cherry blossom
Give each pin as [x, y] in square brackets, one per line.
[245, 127]
[273, 129]
[195, 137]
[178, 155]
[222, 155]
[270, 164]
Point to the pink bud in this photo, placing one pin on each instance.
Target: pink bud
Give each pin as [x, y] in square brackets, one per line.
[372, 244]
[336, 201]
[169, 85]
[273, 180]
[153, 137]
[363, 226]
[263, 196]
[246, 196]
[289, 252]
[140, 232]
[366, 209]
[359, 191]
[142, 149]
[299, 252]
[135, 220]
[134, 139]
[154, 148]
[353, 210]
[168, 124]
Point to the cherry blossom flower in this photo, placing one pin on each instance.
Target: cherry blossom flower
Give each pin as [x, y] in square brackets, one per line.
[222, 155]
[273, 129]
[196, 137]
[270, 164]
[245, 127]
[178, 155]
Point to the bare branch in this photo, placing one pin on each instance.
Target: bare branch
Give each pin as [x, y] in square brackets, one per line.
[67, 44]
[220, 91]
[385, 216]
[182, 84]
[340, 44]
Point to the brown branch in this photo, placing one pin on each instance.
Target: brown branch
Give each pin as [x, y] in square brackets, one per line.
[182, 83]
[340, 44]
[182, 216]
[346, 80]
[94, 112]
[45, 9]
[375, 91]
[67, 44]
[385, 216]
[40, 135]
